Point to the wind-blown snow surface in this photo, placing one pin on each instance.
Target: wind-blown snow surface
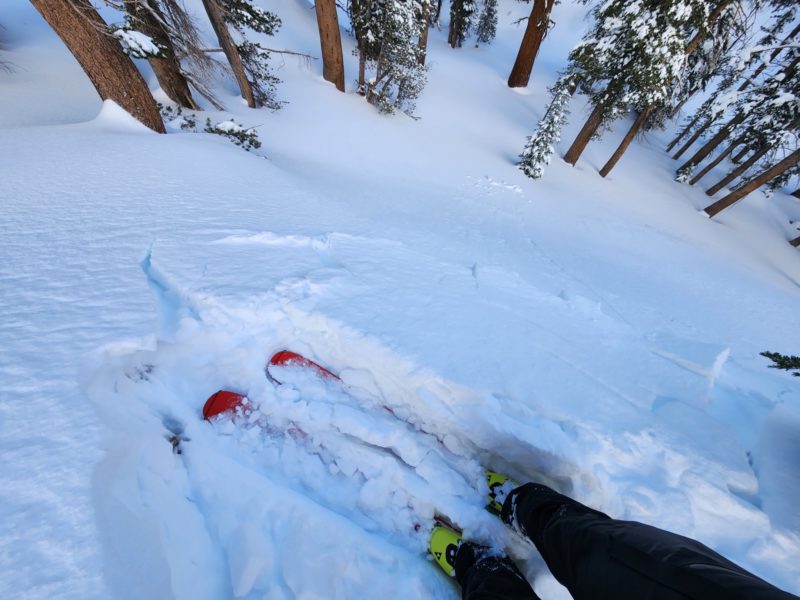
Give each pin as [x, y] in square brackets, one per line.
[600, 332]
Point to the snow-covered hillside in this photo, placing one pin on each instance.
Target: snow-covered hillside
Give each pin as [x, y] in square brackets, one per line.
[600, 333]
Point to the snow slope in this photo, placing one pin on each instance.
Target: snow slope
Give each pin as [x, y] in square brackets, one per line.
[600, 332]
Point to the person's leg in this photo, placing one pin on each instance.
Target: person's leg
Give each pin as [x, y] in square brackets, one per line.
[483, 574]
[596, 557]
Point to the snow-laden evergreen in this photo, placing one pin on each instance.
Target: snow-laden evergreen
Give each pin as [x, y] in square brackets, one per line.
[462, 15]
[630, 58]
[635, 51]
[399, 73]
[762, 117]
[712, 59]
[539, 147]
[736, 68]
[245, 16]
[486, 29]
[367, 19]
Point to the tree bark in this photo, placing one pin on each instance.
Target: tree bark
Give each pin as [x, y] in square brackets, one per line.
[796, 193]
[148, 19]
[738, 170]
[455, 23]
[217, 19]
[423, 34]
[330, 41]
[626, 141]
[795, 242]
[531, 41]
[110, 70]
[585, 135]
[734, 144]
[753, 184]
[740, 155]
[362, 71]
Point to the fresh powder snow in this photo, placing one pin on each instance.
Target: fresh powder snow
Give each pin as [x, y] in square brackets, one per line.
[600, 335]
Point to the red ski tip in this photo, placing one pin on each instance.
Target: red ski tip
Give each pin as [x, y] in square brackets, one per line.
[287, 358]
[221, 402]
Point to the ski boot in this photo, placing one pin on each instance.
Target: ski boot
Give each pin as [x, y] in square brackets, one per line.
[500, 486]
[443, 545]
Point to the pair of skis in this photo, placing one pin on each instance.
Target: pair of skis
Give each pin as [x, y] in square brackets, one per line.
[444, 532]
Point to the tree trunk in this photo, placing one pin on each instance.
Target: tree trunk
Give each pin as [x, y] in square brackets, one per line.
[452, 35]
[796, 193]
[585, 135]
[738, 170]
[683, 132]
[330, 41]
[626, 141]
[680, 105]
[715, 141]
[700, 131]
[423, 34]
[712, 18]
[529, 48]
[217, 19]
[740, 155]
[362, 71]
[148, 19]
[795, 242]
[734, 144]
[753, 184]
[112, 72]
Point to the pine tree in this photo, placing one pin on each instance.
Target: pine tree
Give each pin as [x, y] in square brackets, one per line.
[461, 15]
[714, 107]
[487, 23]
[762, 117]
[540, 146]
[244, 17]
[655, 112]
[712, 57]
[399, 74]
[367, 18]
[639, 48]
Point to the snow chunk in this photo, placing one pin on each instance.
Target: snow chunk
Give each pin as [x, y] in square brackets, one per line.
[137, 44]
[113, 117]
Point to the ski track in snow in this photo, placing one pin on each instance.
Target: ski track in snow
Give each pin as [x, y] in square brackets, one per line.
[338, 466]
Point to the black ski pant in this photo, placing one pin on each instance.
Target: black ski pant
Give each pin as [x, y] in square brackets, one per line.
[597, 558]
